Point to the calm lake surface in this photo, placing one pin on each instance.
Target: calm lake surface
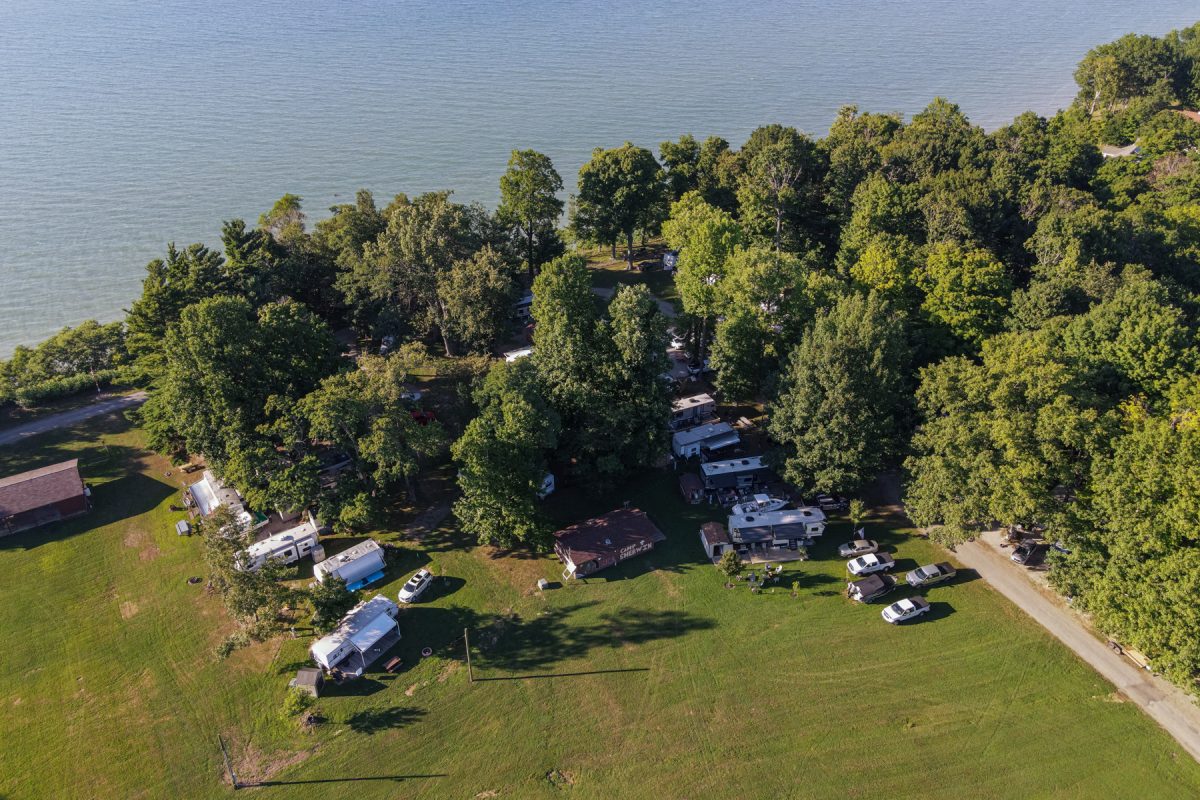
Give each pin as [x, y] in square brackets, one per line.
[125, 125]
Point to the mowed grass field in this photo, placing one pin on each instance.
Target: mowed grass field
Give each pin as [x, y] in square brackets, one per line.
[648, 681]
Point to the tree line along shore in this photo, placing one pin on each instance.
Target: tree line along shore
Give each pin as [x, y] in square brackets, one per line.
[1009, 318]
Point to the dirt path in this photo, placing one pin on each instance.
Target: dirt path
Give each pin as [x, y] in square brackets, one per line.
[20, 433]
[1169, 706]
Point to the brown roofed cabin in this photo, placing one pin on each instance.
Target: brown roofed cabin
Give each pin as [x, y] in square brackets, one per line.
[594, 544]
[42, 496]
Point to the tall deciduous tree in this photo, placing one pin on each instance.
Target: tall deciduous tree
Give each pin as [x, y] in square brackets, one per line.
[966, 290]
[621, 191]
[839, 415]
[222, 362]
[681, 160]
[364, 414]
[406, 264]
[854, 150]
[781, 167]
[477, 294]
[640, 403]
[602, 376]
[529, 202]
[502, 458]
[706, 238]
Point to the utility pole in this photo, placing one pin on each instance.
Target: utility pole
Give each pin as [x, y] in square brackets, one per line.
[467, 644]
[228, 767]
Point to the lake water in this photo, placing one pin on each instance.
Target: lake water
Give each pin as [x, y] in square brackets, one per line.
[125, 125]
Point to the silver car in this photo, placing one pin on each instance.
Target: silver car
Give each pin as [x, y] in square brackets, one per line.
[859, 547]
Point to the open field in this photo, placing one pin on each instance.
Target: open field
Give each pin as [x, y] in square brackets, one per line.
[650, 680]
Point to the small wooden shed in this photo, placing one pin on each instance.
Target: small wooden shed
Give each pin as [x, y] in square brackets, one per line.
[715, 539]
[310, 680]
[691, 487]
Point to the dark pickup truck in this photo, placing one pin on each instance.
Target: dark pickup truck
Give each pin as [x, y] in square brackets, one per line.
[931, 573]
[870, 588]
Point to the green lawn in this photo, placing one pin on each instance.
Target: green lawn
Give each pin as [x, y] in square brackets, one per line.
[649, 681]
[609, 273]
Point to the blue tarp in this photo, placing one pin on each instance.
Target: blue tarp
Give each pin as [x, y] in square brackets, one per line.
[367, 581]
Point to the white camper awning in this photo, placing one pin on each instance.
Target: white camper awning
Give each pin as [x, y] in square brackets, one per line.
[724, 440]
[366, 636]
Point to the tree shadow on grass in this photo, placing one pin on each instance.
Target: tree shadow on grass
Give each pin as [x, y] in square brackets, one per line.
[374, 720]
[353, 687]
[124, 498]
[809, 580]
[510, 642]
[393, 778]
[521, 645]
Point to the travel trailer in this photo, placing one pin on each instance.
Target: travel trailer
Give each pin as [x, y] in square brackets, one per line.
[287, 546]
[358, 566]
[368, 631]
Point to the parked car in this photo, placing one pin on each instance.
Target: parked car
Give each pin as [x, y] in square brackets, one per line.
[415, 586]
[832, 502]
[931, 573]
[871, 562]
[906, 609]
[858, 547]
[870, 588]
[411, 395]
[1024, 552]
[422, 417]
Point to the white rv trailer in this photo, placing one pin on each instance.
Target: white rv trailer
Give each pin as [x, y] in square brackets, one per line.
[735, 473]
[686, 444]
[210, 493]
[364, 634]
[520, 352]
[522, 309]
[358, 566]
[287, 546]
[690, 410]
[777, 528]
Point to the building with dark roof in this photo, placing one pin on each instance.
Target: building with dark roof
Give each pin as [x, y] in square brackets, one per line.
[42, 496]
[594, 544]
[691, 487]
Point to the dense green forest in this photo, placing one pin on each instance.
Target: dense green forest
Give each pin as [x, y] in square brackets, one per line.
[1008, 317]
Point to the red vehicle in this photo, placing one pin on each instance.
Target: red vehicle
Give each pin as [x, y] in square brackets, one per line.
[423, 417]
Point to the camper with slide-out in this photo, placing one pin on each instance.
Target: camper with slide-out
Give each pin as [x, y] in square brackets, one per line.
[368, 631]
